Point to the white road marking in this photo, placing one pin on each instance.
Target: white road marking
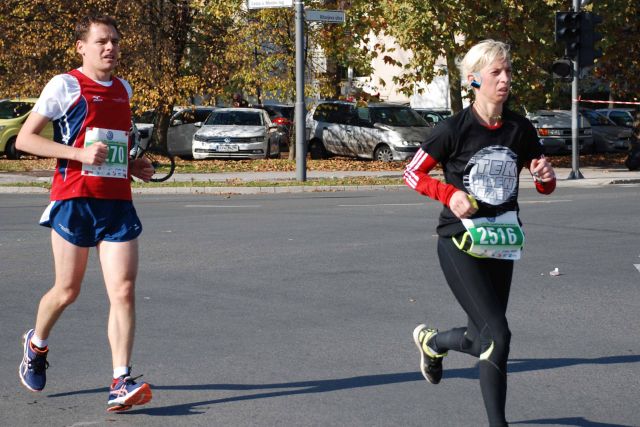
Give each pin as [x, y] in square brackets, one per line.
[382, 204]
[222, 206]
[531, 202]
[637, 266]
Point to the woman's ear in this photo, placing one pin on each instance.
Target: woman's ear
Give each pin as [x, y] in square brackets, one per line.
[476, 80]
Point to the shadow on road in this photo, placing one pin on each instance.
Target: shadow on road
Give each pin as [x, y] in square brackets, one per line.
[575, 421]
[324, 386]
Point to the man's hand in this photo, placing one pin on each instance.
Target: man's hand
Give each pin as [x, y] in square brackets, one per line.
[462, 205]
[142, 169]
[542, 170]
[95, 154]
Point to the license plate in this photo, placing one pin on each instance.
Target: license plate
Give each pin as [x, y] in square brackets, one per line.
[227, 148]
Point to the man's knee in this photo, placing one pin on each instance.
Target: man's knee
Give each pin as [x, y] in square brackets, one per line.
[65, 296]
[122, 293]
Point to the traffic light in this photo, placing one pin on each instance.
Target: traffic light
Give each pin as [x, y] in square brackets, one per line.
[588, 38]
[568, 31]
[562, 69]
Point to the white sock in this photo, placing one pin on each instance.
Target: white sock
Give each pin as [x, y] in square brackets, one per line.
[120, 371]
[38, 342]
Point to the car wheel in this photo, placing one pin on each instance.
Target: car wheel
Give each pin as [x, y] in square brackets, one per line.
[11, 151]
[317, 150]
[267, 152]
[276, 151]
[383, 153]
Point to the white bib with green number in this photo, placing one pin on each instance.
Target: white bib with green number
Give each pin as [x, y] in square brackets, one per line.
[494, 237]
[116, 165]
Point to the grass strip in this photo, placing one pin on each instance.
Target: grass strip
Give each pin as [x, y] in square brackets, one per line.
[351, 181]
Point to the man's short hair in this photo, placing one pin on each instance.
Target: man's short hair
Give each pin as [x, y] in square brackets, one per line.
[84, 25]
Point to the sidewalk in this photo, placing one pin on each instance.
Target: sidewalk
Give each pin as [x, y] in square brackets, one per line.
[592, 177]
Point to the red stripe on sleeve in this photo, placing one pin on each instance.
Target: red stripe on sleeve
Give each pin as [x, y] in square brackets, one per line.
[416, 175]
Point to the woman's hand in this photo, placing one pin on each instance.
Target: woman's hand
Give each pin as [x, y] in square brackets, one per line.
[142, 169]
[542, 170]
[462, 204]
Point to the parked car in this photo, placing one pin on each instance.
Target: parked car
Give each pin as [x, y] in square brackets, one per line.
[13, 114]
[236, 133]
[431, 116]
[620, 116]
[444, 112]
[554, 131]
[380, 131]
[281, 115]
[182, 127]
[607, 136]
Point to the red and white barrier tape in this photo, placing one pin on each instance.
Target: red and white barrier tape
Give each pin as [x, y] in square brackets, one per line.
[607, 102]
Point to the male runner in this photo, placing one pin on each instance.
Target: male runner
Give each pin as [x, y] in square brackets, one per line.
[91, 203]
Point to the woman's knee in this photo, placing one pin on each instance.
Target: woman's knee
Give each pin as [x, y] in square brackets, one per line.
[495, 343]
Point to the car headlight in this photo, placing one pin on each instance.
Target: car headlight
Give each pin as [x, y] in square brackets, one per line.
[409, 143]
[257, 139]
[197, 137]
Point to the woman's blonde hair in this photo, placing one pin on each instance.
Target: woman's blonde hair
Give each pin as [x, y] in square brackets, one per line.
[481, 55]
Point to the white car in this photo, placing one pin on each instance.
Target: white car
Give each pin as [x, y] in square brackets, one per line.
[236, 133]
[378, 131]
[620, 116]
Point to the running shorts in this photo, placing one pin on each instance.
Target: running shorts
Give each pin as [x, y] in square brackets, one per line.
[87, 221]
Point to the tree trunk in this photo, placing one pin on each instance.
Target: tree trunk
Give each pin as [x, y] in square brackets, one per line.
[454, 83]
[160, 129]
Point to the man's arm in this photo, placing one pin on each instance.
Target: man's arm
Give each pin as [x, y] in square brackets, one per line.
[30, 141]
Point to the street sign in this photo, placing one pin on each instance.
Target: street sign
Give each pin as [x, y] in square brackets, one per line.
[332, 16]
[264, 4]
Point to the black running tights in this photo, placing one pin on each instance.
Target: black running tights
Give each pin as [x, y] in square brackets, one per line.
[481, 286]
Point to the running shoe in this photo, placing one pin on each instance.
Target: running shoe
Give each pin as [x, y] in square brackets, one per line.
[34, 364]
[430, 361]
[125, 392]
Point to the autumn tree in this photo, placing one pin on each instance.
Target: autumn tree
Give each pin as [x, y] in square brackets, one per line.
[171, 49]
[620, 63]
[434, 29]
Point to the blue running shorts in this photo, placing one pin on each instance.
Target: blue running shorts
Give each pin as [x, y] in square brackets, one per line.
[86, 221]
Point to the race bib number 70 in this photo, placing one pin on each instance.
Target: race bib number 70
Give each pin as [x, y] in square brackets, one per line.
[117, 161]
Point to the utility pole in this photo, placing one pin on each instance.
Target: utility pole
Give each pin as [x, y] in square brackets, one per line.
[575, 168]
[299, 117]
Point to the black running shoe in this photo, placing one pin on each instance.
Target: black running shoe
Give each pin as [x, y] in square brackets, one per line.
[430, 361]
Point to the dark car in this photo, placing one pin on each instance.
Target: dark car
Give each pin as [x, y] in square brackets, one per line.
[282, 116]
[607, 135]
[431, 116]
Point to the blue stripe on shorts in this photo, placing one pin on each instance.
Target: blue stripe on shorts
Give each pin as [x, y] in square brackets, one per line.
[86, 221]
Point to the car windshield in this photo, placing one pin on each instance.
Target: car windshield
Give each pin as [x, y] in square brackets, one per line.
[396, 116]
[13, 110]
[229, 118]
[596, 119]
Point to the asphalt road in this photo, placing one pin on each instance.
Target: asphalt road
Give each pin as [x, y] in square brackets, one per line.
[297, 310]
